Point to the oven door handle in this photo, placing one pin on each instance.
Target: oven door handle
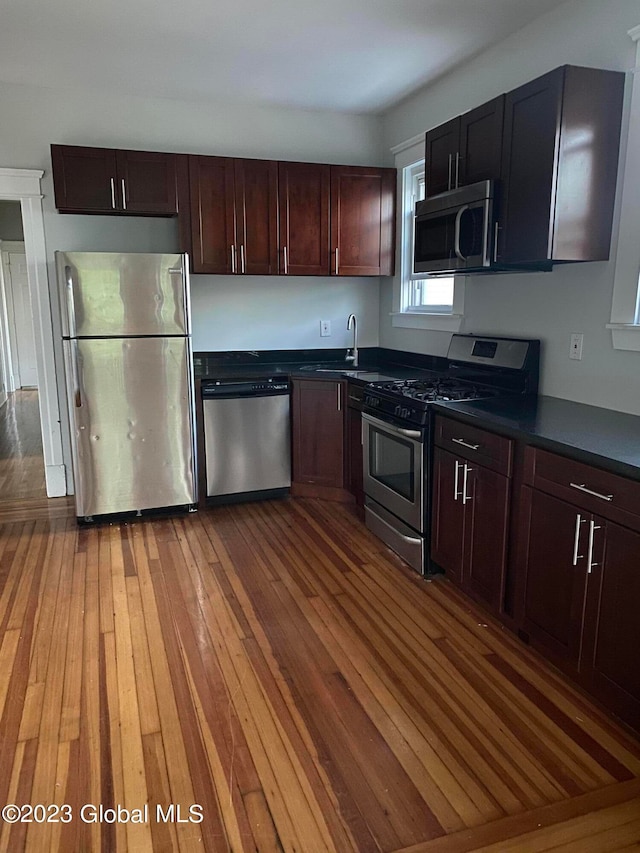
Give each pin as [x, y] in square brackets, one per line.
[392, 429]
[409, 433]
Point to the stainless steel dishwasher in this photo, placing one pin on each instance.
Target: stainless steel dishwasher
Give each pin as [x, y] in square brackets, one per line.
[247, 438]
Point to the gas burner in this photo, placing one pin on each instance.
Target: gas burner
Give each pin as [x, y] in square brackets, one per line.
[429, 390]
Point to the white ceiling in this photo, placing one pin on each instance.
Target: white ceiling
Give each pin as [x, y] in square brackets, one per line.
[351, 55]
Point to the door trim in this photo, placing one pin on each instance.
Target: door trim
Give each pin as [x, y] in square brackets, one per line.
[23, 185]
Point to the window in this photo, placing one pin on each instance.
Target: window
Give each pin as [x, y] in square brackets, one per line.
[430, 295]
[422, 303]
[625, 310]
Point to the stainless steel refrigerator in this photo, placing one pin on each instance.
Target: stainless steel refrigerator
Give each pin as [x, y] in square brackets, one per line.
[128, 363]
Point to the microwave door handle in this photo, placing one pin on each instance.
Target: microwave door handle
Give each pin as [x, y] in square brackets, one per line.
[456, 232]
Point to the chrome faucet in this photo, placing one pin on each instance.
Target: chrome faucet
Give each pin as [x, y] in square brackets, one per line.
[352, 354]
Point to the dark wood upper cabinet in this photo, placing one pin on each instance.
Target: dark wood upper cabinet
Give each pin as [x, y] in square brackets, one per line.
[362, 220]
[560, 157]
[213, 227]
[303, 191]
[103, 180]
[256, 210]
[147, 182]
[233, 215]
[465, 149]
[441, 148]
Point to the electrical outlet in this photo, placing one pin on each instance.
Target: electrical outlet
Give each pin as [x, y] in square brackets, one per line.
[325, 328]
[575, 346]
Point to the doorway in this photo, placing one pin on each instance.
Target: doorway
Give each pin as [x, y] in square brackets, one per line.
[23, 186]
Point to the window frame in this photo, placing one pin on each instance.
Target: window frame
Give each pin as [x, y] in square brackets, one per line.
[625, 306]
[407, 156]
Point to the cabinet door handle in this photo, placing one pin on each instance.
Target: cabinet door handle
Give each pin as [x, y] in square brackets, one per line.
[457, 168]
[449, 178]
[339, 397]
[124, 194]
[496, 228]
[233, 258]
[465, 497]
[576, 539]
[456, 491]
[582, 488]
[465, 444]
[242, 261]
[286, 260]
[336, 261]
[113, 193]
[592, 529]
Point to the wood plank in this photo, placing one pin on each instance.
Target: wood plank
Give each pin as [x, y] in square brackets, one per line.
[274, 663]
[546, 822]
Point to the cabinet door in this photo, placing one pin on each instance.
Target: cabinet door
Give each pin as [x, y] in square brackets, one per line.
[554, 587]
[531, 123]
[318, 432]
[84, 179]
[447, 523]
[213, 215]
[481, 143]
[354, 455]
[303, 190]
[362, 220]
[485, 534]
[442, 145]
[612, 626]
[147, 182]
[256, 204]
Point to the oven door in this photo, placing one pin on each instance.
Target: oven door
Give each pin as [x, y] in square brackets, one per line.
[393, 469]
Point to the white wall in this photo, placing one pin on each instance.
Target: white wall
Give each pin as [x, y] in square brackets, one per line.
[572, 298]
[34, 118]
[283, 312]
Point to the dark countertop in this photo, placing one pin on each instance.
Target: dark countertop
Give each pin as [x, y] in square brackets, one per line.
[375, 364]
[590, 434]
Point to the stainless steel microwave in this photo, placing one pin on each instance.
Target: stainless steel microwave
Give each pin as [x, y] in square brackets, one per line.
[456, 231]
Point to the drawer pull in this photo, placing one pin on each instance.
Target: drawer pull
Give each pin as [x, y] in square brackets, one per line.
[582, 488]
[465, 444]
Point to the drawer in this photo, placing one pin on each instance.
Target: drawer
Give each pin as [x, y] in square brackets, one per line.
[594, 489]
[488, 449]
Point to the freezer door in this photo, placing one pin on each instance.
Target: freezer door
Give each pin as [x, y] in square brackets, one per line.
[132, 424]
[116, 295]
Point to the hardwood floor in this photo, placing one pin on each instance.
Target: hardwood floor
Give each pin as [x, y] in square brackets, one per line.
[275, 665]
[21, 462]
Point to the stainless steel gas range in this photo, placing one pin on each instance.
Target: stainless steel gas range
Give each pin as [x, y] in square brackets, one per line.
[396, 432]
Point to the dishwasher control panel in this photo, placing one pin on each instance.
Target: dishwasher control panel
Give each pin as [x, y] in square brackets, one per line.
[212, 388]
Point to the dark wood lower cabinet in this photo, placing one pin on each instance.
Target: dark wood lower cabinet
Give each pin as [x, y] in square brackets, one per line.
[612, 623]
[555, 576]
[318, 424]
[355, 467]
[568, 549]
[469, 525]
[581, 596]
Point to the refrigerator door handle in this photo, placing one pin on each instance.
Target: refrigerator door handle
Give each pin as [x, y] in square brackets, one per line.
[71, 311]
[75, 374]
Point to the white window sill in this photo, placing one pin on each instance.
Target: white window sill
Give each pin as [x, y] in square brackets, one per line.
[625, 336]
[421, 320]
